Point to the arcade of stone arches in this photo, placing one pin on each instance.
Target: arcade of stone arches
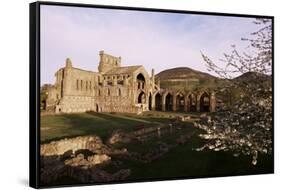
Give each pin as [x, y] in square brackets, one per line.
[178, 101]
[173, 100]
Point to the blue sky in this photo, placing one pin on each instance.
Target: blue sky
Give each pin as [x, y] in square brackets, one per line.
[152, 39]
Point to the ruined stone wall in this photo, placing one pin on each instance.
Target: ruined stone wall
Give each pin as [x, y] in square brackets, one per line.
[108, 62]
[79, 90]
[80, 82]
[84, 92]
[73, 104]
[115, 99]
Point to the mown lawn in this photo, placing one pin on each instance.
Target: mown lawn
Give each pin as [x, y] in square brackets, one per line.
[181, 161]
[55, 127]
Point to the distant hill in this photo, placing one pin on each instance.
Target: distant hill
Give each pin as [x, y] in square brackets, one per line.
[186, 79]
[252, 77]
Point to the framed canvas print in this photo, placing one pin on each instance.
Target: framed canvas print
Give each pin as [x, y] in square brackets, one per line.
[122, 94]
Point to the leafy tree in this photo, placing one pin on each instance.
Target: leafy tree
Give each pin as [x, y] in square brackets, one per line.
[246, 126]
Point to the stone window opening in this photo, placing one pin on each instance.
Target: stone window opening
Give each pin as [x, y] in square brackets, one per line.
[141, 98]
[158, 102]
[180, 102]
[99, 92]
[81, 83]
[108, 92]
[140, 81]
[90, 85]
[119, 92]
[77, 84]
[192, 102]
[86, 85]
[121, 82]
[204, 102]
[169, 102]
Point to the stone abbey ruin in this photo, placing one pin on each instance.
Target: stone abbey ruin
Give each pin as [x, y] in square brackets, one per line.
[116, 88]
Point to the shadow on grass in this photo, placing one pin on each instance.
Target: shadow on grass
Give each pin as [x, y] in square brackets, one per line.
[180, 162]
[91, 123]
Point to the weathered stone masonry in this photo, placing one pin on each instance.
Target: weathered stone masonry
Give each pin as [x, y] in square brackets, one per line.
[119, 89]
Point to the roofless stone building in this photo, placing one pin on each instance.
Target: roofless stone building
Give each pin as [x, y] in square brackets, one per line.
[119, 89]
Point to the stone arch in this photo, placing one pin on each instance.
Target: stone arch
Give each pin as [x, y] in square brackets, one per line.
[158, 101]
[150, 101]
[204, 101]
[179, 101]
[140, 81]
[192, 102]
[141, 97]
[168, 102]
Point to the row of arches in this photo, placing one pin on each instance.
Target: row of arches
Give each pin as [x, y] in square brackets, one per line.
[181, 102]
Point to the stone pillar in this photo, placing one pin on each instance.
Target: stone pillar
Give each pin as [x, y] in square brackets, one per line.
[152, 79]
[198, 103]
[104, 83]
[134, 89]
[114, 83]
[186, 104]
[153, 102]
[213, 102]
[174, 103]
[125, 82]
[163, 103]
[67, 77]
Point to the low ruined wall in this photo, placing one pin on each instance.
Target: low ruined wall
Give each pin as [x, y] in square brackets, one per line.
[75, 104]
[79, 104]
[91, 143]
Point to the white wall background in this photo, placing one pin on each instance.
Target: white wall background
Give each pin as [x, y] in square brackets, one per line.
[14, 74]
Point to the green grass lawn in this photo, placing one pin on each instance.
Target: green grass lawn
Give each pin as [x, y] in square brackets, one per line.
[181, 161]
[55, 127]
[184, 161]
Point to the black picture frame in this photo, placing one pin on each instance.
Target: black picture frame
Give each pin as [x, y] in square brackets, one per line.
[34, 83]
